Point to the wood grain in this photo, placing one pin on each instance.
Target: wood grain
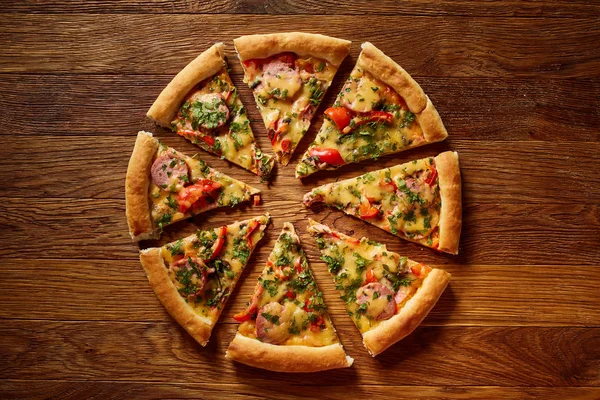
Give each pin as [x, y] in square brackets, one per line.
[516, 84]
[431, 356]
[483, 47]
[549, 232]
[547, 9]
[101, 105]
[113, 390]
[479, 295]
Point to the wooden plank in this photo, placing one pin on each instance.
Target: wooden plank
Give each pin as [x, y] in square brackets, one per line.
[112, 390]
[445, 356]
[492, 172]
[515, 109]
[483, 47]
[117, 290]
[493, 234]
[546, 9]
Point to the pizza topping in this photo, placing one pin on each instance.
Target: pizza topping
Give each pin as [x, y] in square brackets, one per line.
[200, 195]
[361, 94]
[340, 116]
[169, 172]
[190, 273]
[329, 156]
[251, 310]
[280, 77]
[376, 300]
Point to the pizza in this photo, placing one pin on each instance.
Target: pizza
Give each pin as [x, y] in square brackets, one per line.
[194, 276]
[164, 186]
[289, 74]
[386, 295]
[380, 110]
[419, 201]
[286, 327]
[202, 105]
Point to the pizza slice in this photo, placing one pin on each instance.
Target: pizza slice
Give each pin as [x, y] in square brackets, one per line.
[380, 110]
[289, 74]
[194, 276]
[202, 105]
[164, 186]
[286, 327]
[386, 295]
[419, 201]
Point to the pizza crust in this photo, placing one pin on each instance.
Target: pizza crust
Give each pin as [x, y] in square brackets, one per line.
[387, 70]
[156, 271]
[431, 124]
[137, 181]
[410, 316]
[204, 66]
[450, 191]
[287, 358]
[328, 48]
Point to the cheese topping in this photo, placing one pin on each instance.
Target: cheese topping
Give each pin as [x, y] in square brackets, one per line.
[288, 89]
[213, 117]
[375, 283]
[287, 307]
[165, 199]
[404, 200]
[388, 127]
[222, 272]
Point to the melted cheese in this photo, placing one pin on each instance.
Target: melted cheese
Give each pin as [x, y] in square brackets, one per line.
[190, 246]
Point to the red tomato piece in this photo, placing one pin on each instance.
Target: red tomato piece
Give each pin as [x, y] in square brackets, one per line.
[195, 195]
[340, 116]
[329, 156]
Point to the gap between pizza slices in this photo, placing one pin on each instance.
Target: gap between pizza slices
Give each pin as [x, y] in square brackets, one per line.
[202, 105]
[194, 276]
[289, 74]
[380, 110]
[419, 201]
[286, 326]
[386, 295]
[164, 186]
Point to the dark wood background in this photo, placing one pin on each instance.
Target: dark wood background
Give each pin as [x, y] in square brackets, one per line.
[518, 87]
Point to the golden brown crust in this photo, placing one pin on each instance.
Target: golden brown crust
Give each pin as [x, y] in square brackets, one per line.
[328, 48]
[204, 66]
[450, 191]
[287, 358]
[410, 316]
[156, 271]
[387, 70]
[137, 181]
[431, 124]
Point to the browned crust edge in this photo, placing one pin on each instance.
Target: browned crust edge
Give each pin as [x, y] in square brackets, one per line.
[287, 358]
[328, 48]
[450, 191]
[431, 124]
[410, 316]
[166, 292]
[137, 181]
[204, 66]
[387, 70]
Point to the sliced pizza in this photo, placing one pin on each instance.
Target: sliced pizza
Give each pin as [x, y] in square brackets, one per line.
[386, 295]
[380, 110]
[419, 201]
[164, 186]
[194, 276]
[289, 74]
[202, 105]
[286, 327]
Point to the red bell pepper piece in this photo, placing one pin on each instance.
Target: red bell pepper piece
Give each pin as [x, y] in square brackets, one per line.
[195, 195]
[370, 278]
[252, 308]
[340, 116]
[367, 211]
[431, 179]
[329, 156]
[251, 228]
[220, 242]
[187, 133]
[286, 144]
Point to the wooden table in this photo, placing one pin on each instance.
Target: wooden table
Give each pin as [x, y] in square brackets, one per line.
[518, 87]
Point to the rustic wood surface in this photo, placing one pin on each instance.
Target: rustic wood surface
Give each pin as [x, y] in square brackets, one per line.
[518, 87]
